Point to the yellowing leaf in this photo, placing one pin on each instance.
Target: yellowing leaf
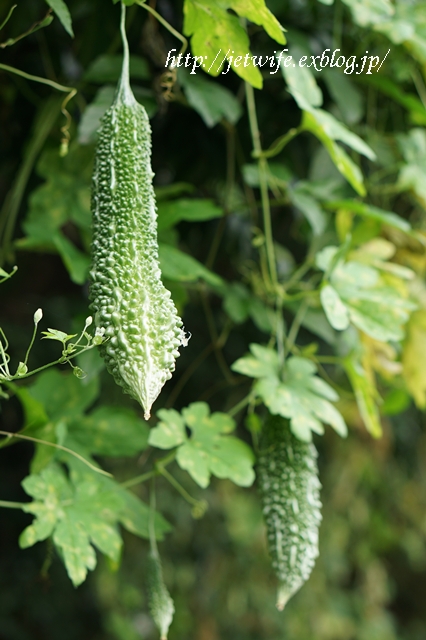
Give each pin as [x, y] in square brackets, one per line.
[414, 357]
[366, 395]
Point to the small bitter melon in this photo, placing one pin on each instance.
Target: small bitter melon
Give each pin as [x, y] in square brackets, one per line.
[160, 602]
[128, 297]
[289, 488]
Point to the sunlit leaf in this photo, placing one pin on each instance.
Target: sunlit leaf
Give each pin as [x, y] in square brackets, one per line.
[218, 34]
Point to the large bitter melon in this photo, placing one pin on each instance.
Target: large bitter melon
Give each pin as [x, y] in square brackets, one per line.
[128, 297]
[289, 487]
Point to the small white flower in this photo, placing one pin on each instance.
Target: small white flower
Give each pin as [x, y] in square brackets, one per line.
[38, 316]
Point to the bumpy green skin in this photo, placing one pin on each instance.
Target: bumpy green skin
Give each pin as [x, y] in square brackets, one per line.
[289, 487]
[128, 297]
[160, 603]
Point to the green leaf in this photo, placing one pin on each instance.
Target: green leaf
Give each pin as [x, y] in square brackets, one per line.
[91, 118]
[309, 207]
[59, 336]
[209, 450]
[135, 516]
[71, 537]
[256, 11]
[372, 305]
[369, 211]
[182, 267]
[327, 129]
[345, 94]
[170, 432]
[35, 415]
[217, 34]
[107, 68]
[111, 431]
[49, 489]
[408, 100]
[277, 175]
[317, 323]
[263, 362]
[61, 10]
[195, 209]
[337, 131]
[412, 175]
[81, 511]
[209, 99]
[63, 396]
[76, 262]
[302, 85]
[63, 198]
[239, 303]
[262, 315]
[236, 302]
[336, 312]
[370, 12]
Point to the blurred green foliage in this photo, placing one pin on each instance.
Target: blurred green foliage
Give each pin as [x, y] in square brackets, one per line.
[369, 581]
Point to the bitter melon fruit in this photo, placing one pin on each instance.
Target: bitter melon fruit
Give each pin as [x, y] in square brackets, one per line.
[289, 488]
[160, 602]
[128, 297]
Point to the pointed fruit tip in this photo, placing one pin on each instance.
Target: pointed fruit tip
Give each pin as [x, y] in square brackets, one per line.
[283, 596]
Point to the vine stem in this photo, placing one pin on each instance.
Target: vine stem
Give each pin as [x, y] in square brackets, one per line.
[240, 405]
[162, 462]
[183, 492]
[140, 479]
[263, 166]
[12, 505]
[62, 360]
[279, 144]
[152, 540]
[297, 322]
[6, 20]
[11, 435]
[165, 24]
[28, 76]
